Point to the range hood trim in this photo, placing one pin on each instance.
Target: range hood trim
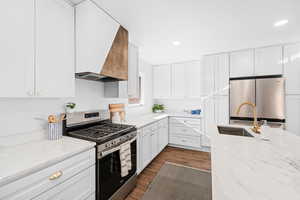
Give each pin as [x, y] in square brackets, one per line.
[95, 77]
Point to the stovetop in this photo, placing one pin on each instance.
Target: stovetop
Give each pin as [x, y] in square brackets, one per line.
[102, 132]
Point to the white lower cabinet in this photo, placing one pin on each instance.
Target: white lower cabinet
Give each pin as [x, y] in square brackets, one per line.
[152, 139]
[185, 132]
[73, 178]
[188, 141]
[145, 151]
[79, 187]
[293, 114]
[163, 134]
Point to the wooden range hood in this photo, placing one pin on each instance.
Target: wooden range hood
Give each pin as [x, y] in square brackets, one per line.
[116, 63]
[115, 67]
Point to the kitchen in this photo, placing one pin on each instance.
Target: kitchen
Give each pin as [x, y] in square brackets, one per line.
[104, 63]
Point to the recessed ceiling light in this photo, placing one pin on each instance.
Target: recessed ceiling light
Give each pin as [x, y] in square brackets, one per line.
[176, 43]
[281, 23]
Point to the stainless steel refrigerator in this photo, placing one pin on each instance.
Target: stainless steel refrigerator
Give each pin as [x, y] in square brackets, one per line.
[266, 92]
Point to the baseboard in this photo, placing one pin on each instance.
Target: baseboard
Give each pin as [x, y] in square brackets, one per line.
[205, 149]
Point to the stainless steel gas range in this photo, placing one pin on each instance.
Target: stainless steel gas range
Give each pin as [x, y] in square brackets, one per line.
[95, 126]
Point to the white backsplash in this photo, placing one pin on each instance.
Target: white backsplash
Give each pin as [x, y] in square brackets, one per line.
[180, 105]
[26, 115]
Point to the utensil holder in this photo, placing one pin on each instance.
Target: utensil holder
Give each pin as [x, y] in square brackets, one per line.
[54, 131]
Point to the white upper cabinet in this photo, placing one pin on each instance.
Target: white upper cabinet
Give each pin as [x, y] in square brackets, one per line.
[178, 80]
[242, 63]
[292, 68]
[268, 61]
[133, 71]
[37, 45]
[17, 48]
[54, 49]
[95, 32]
[192, 79]
[221, 74]
[162, 81]
[207, 76]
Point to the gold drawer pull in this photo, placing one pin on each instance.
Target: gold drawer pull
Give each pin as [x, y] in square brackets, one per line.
[56, 175]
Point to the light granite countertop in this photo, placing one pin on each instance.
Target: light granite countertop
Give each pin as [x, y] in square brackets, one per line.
[266, 167]
[144, 119]
[20, 160]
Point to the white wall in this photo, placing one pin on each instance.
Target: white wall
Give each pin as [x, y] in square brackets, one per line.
[146, 70]
[25, 115]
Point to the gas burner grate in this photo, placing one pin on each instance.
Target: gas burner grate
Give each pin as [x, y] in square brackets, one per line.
[101, 132]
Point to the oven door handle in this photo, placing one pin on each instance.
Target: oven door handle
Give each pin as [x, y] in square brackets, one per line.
[105, 153]
[114, 149]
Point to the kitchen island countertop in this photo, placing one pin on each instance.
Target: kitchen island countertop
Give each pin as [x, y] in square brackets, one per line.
[263, 167]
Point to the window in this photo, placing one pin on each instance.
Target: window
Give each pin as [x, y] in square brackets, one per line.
[139, 99]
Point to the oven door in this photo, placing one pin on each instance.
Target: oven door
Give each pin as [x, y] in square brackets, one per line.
[109, 178]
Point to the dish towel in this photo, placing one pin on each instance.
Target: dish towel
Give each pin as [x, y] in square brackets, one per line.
[125, 158]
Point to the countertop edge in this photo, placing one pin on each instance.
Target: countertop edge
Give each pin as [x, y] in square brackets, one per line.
[36, 168]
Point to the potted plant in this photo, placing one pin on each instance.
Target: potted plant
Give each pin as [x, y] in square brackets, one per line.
[70, 106]
[158, 108]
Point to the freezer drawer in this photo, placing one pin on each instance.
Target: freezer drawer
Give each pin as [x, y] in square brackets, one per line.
[242, 91]
[270, 98]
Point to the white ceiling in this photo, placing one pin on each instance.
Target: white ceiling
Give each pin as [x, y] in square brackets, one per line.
[203, 26]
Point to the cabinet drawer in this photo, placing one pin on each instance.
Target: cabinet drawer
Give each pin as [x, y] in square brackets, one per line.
[184, 130]
[185, 141]
[79, 187]
[185, 121]
[41, 181]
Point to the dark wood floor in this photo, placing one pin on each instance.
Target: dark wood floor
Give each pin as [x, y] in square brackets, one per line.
[196, 159]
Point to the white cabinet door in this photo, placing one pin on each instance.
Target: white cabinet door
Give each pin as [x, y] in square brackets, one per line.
[209, 121]
[268, 61]
[193, 79]
[163, 134]
[222, 109]
[17, 48]
[139, 150]
[242, 63]
[154, 144]
[293, 113]
[79, 187]
[162, 81]
[178, 80]
[95, 32]
[133, 71]
[37, 183]
[146, 148]
[207, 76]
[292, 68]
[54, 49]
[222, 74]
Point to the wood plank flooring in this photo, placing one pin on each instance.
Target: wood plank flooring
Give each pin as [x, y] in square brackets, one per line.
[196, 159]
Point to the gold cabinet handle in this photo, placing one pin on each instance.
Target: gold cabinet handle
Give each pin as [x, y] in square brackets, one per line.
[56, 175]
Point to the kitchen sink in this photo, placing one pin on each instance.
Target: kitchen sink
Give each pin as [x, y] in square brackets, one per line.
[226, 130]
